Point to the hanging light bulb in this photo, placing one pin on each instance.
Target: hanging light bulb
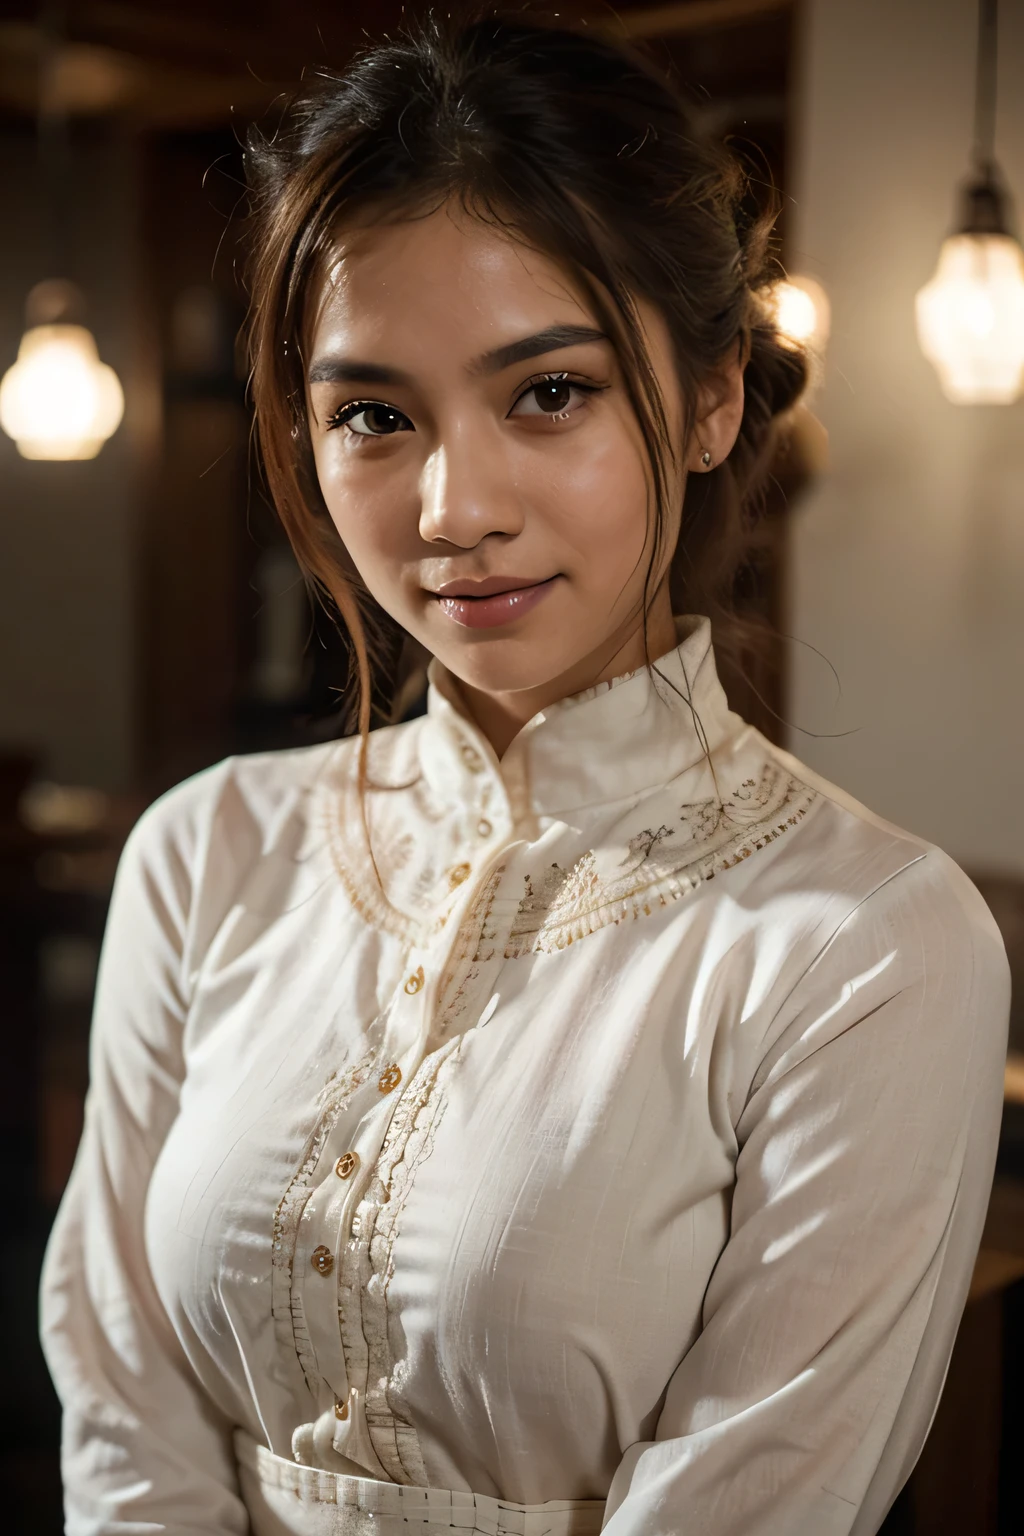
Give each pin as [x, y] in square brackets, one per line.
[58, 401]
[800, 309]
[970, 316]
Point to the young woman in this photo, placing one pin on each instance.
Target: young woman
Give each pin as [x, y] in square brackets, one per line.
[563, 1111]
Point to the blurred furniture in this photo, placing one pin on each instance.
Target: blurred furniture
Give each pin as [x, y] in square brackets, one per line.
[56, 868]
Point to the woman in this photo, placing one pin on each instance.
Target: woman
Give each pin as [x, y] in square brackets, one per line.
[563, 1111]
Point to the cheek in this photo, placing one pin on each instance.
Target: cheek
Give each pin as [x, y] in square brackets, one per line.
[370, 504]
[594, 493]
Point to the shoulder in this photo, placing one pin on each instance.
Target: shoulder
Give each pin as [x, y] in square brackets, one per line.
[888, 920]
[848, 855]
[236, 803]
[215, 825]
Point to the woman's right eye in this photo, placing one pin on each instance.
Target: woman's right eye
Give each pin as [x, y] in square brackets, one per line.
[370, 418]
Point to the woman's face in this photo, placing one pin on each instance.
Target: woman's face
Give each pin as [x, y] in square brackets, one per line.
[479, 457]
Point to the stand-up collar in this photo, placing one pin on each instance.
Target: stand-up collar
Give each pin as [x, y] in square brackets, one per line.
[615, 740]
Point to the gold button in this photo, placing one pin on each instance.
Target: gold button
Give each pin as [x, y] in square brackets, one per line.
[322, 1260]
[415, 982]
[346, 1165]
[389, 1078]
[341, 1410]
[483, 827]
[472, 759]
[457, 875]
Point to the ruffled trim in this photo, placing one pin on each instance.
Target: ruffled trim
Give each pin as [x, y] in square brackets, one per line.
[286, 1297]
[367, 1264]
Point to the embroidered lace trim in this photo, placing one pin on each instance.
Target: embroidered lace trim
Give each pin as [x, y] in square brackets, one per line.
[286, 1298]
[371, 1336]
[660, 865]
[415, 905]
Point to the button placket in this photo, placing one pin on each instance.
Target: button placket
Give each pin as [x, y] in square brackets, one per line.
[339, 1183]
[451, 938]
[345, 1168]
[341, 1196]
[351, 1153]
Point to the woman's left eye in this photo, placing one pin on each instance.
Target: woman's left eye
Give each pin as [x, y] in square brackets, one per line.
[555, 397]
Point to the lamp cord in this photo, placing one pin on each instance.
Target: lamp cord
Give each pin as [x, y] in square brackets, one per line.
[53, 138]
[985, 86]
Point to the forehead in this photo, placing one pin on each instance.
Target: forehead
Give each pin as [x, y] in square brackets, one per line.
[445, 280]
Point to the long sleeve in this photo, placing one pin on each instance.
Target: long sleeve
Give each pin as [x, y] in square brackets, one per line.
[144, 1449]
[866, 1151]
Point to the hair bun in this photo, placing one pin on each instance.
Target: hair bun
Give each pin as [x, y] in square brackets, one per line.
[776, 376]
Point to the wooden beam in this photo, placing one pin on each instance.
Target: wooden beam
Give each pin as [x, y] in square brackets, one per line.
[90, 80]
[694, 16]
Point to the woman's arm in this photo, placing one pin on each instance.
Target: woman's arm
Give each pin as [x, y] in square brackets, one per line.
[867, 1146]
[143, 1447]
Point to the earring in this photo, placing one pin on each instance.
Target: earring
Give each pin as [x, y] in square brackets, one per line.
[705, 459]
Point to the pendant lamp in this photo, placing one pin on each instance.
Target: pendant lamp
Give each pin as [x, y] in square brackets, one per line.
[58, 401]
[970, 316]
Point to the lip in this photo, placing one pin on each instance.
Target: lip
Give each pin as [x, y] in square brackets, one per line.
[489, 603]
[486, 586]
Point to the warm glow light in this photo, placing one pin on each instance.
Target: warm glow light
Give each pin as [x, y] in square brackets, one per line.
[801, 311]
[58, 401]
[970, 319]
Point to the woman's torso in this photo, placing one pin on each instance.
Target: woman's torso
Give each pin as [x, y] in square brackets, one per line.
[452, 1169]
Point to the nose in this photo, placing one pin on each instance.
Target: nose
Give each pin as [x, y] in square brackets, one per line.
[467, 492]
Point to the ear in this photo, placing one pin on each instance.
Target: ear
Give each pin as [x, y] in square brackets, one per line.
[719, 412]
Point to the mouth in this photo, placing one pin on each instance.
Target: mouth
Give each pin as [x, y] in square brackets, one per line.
[493, 601]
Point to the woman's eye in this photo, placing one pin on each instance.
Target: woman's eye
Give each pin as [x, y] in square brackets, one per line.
[557, 396]
[370, 418]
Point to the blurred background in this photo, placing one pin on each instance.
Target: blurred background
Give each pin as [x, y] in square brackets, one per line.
[152, 620]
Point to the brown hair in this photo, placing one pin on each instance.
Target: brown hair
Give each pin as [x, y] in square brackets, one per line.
[580, 147]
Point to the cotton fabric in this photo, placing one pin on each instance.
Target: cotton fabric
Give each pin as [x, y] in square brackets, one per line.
[611, 1122]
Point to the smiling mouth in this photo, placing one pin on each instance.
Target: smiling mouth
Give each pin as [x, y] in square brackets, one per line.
[494, 601]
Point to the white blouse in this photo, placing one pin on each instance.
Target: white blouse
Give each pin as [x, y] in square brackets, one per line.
[606, 1122]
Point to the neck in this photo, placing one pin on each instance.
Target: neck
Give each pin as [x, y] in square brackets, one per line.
[501, 716]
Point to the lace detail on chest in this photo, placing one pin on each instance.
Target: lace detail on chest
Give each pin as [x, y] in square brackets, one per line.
[661, 864]
[286, 1297]
[371, 1334]
[399, 856]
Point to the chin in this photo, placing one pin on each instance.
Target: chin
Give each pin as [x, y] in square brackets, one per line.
[505, 666]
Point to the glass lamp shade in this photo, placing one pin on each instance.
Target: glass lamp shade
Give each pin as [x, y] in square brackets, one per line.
[970, 319]
[58, 401]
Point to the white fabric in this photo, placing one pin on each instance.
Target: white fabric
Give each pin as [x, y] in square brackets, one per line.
[676, 1199]
[284, 1499]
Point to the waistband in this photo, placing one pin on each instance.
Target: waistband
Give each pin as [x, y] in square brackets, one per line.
[285, 1499]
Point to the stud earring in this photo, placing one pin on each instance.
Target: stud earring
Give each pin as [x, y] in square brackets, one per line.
[705, 459]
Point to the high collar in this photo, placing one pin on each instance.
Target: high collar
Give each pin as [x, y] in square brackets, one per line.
[613, 741]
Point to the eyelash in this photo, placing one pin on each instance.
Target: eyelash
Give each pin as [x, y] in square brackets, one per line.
[345, 413]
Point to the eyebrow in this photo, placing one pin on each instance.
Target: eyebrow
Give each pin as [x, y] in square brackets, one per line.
[351, 370]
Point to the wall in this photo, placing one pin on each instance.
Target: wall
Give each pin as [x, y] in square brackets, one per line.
[68, 588]
[908, 558]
